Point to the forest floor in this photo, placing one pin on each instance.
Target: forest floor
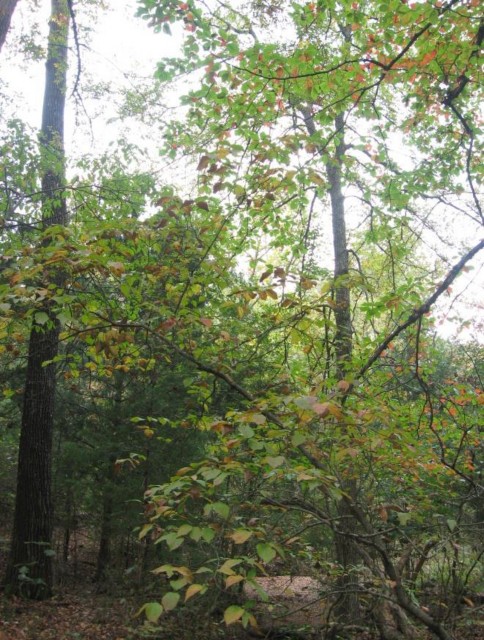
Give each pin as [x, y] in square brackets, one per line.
[81, 611]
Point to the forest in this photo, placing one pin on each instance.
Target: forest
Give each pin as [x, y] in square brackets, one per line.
[241, 294]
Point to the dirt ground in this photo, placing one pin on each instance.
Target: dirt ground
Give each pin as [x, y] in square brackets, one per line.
[81, 613]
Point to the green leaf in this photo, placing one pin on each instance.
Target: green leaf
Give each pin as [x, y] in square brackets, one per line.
[265, 551]
[196, 534]
[298, 438]
[208, 534]
[153, 611]
[221, 509]
[452, 524]
[275, 461]
[172, 540]
[184, 529]
[404, 517]
[41, 317]
[246, 431]
[178, 584]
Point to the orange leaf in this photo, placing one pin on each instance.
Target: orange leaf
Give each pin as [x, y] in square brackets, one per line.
[383, 514]
[428, 57]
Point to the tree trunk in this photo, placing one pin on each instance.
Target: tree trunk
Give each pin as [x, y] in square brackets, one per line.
[347, 554]
[343, 338]
[7, 7]
[29, 568]
[104, 551]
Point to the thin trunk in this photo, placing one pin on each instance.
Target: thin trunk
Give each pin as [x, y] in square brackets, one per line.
[343, 338]
[7, 7]
[69, 518]
[104, 551]
[29, 568]
[105, 540]
[347, 553]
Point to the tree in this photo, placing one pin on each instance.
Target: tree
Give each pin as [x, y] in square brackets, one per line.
[29, 569]
[262, 126]
[6, 12]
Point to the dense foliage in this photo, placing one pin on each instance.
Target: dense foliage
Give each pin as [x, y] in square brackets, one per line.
[250, 370]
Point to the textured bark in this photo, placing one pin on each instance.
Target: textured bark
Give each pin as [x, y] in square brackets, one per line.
[7, 7]
[29, 568]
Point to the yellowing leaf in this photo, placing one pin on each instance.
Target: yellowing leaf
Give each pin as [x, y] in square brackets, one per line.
[222, 153]
[145, 529]
[232, 614]
[231, 580]
[227, 567]
[335, 410]
[170, 600]
[316, 178]
[193, 589]
[275, 461]
[117, 268]
[239, 536]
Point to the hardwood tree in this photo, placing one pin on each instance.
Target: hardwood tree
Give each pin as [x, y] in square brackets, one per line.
[6, 12]
[29, 569]
[244, 125]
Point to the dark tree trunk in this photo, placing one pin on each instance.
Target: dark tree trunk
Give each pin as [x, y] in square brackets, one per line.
[105, 540]
[104, 551]
[29, 568]
[7, 7]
